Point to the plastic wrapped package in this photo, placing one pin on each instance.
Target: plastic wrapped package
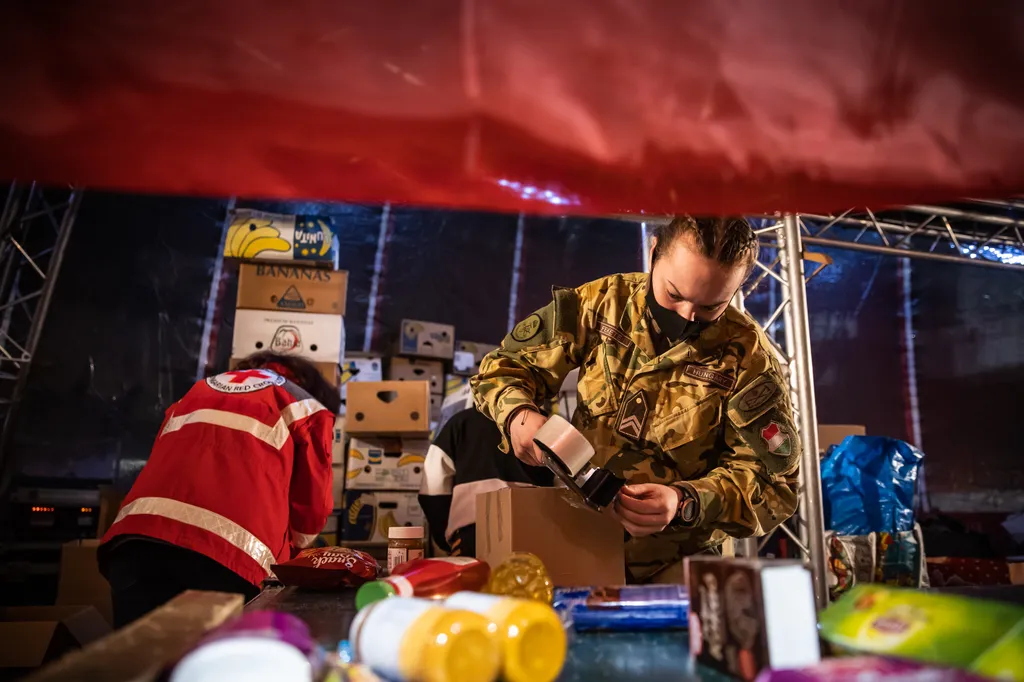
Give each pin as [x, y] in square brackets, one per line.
[328, 568]
[868, 485]
[623, 608]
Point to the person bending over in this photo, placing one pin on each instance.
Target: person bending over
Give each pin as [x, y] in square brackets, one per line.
[239, 478]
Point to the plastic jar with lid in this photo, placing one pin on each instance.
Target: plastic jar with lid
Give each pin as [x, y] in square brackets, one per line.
[405, 543]
[419, 639]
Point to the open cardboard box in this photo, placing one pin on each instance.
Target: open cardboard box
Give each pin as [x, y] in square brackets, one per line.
[81, 582]
[578, 546]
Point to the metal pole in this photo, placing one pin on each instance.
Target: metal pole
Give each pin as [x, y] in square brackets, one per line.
[744, 547]
[904, 253]
[800, 350]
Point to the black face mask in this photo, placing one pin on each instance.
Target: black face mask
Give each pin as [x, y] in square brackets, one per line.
[672, 325]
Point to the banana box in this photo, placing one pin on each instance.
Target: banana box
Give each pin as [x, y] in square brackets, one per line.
[360, 368]
[318, 338]
[338, 440]
[289, 286]
[473, 353]
[256, 235]
[454, 383]
[385, 463]
[427, 339]
[414, 369]
[367, 516]
[328, 370]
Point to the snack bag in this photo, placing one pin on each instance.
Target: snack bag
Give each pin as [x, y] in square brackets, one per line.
[328, 568]
[977, 635]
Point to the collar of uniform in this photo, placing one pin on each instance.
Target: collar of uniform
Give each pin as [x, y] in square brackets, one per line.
[634, 321]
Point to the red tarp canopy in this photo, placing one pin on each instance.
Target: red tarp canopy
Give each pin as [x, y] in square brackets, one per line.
[568, 106]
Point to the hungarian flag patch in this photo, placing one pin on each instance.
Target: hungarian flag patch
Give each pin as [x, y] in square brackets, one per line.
[777, 439]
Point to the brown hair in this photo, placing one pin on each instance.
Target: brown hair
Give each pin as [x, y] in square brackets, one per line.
[302, 372]
[728, 240]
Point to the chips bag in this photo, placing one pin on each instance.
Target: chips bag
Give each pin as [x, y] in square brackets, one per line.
[328, 568]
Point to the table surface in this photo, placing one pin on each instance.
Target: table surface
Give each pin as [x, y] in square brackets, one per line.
[644, 657]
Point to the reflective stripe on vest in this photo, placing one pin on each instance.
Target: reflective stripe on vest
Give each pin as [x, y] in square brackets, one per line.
[209, 521]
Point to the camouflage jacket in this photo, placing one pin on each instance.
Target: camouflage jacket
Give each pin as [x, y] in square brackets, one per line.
[712, 414]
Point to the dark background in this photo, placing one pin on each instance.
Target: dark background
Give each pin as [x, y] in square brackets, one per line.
[124, 332]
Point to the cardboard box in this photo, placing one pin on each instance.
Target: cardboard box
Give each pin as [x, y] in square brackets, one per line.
[328, 370]
[412, 369]
[338, 441]
[299, 288]
[454, 384]
[578, 546]
[1016, 572]
[80, 582]
[257, 235]
[33, 635]
[388, 408]
[318, 338]
[362, 368]
[750, 614]
[477, 349]
[427, 339]
[367, 516]
[140, 651]
[435, 408]
[464, 364]
[331, 525]
[829, 435]
[385, 463]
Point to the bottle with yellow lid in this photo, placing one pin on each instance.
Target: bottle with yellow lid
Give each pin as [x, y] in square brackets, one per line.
[533, 642]
[521, 575]
[420, 640]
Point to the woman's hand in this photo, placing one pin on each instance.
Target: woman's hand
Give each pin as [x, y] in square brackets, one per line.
[646, 508]
[522, 428]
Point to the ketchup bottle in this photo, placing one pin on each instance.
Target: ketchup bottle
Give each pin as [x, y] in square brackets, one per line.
[430, 578]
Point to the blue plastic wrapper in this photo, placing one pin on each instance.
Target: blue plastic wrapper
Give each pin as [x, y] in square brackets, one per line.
[625, 608]
[867, 485]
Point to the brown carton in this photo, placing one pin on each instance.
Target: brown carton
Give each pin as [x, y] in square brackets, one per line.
[388, 408]
[269, 286]
[81, 583]
[426, 339]
[833, 434]
[33, 635]
[578, 546]
[412, 369]
[479, 350]
[750, 614]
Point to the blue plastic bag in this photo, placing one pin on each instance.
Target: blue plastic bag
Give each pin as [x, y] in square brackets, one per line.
[867, 485]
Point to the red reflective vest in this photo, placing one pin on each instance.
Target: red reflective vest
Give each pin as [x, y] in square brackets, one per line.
[240, 470]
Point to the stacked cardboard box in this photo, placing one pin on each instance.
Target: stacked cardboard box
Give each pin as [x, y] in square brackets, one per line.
[389, 429]
[294, 307]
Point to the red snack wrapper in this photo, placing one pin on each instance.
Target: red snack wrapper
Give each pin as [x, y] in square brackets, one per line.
[328, 568]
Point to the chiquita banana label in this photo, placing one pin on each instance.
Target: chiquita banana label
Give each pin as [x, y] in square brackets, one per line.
[271, 236]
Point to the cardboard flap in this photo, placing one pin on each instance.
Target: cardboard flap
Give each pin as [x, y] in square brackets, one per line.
[24, 644]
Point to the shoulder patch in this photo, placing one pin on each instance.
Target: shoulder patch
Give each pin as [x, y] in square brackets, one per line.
[613, 333]
[710, 376]
[753, 400]
[244, 380]
[528, 328]
[774, 438]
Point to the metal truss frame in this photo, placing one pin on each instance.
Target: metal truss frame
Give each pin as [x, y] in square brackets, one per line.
[980, 233]
[35, 226]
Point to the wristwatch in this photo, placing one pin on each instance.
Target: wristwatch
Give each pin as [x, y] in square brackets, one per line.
[689, 507]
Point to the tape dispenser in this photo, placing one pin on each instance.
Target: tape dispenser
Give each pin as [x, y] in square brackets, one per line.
[567, 454]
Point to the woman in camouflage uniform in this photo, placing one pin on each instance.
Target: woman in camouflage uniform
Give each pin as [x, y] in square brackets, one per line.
[679, 393]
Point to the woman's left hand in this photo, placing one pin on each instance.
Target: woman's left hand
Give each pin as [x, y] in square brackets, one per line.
[646, 508]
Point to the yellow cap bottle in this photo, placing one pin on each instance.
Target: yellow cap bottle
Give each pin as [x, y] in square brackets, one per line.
[422, 641]
[532, 638]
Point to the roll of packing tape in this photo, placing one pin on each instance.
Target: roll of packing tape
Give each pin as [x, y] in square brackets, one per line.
[566, 442]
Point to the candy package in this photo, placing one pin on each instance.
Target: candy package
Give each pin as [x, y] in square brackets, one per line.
[867, 669]
[328, 568]
[628, 607]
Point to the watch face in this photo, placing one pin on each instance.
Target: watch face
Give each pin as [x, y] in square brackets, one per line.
[688, 510]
